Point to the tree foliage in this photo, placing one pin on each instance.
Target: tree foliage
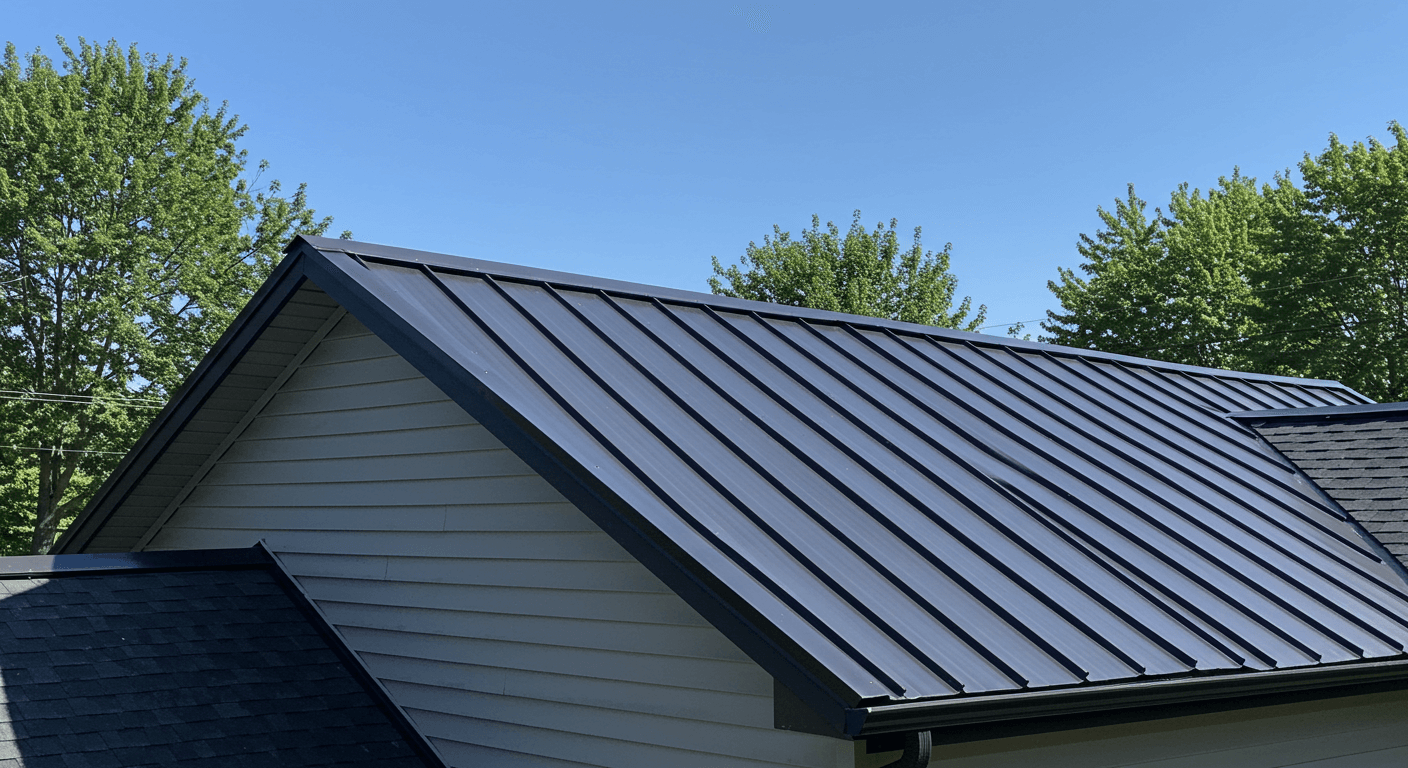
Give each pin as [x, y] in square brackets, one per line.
[864, 272]
[1304, 280]
[129, 238]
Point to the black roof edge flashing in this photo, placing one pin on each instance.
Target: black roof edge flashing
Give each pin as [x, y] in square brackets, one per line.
[349, 658]
[58, 566]
[806, 679]
[462, 264]
[283, 282]
[1154, 699]
[1325, 413]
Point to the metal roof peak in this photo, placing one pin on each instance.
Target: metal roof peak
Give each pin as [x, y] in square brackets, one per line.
[467, 265]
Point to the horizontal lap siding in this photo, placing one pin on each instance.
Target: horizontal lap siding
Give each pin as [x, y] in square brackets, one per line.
[512, 629]
[1350, 732]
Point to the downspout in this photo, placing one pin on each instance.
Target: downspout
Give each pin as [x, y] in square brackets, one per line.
[918, 746]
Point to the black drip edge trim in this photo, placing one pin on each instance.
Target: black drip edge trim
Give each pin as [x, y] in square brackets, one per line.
[59, 566]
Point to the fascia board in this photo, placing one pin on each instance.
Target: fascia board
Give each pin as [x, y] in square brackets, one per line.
[947, 713]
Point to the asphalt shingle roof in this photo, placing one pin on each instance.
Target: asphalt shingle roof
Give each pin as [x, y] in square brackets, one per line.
[177, 668]
[1360, 460]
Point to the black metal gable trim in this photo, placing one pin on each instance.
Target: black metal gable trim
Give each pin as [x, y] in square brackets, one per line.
[464, 265]
[286, 279]
[809, 681]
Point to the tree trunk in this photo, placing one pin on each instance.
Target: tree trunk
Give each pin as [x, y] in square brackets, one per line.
[51, 489]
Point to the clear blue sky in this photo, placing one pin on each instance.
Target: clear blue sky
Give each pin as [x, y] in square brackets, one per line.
[636, 140]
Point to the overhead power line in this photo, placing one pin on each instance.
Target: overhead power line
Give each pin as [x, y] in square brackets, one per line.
[60, 450]
[53, 397]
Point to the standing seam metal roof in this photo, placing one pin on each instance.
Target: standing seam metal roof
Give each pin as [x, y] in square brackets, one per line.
[922, 515]
[905, 513]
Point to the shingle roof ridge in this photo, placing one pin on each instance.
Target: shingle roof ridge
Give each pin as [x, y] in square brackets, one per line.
[51, 566]
[392, 254]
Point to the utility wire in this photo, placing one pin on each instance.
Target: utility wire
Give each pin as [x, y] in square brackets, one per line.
[1263, 335]
[78, 402]
[1009, 325]
[140, 402]
[61, 450]
[86, 397]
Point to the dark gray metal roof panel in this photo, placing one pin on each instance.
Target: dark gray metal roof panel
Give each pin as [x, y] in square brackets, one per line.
[922, 513]
[884, 514]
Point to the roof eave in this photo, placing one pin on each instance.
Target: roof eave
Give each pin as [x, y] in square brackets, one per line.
[1223, 688]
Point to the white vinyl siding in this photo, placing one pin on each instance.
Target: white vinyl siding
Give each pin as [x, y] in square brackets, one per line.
[512, 630]
[1367, 731]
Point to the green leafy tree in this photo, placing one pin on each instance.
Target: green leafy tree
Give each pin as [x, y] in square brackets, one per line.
[863, 272]
[1335, 285]
[129, 238]
[1169, 286]
[1308, 280]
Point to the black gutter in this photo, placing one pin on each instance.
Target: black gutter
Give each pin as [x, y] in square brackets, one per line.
[963, 711]
[283, 282]
[1324, 413]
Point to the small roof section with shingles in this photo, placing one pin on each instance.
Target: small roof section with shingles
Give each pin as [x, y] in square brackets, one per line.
[1358, 455]
[905, 525]
[205, 661]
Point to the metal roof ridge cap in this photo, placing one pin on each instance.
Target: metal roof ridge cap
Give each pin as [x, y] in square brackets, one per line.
[588, 282]
[971, 710]
[1325, 412]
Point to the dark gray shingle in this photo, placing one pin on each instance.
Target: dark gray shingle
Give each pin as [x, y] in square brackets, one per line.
[1360, 460]
[189, 668]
